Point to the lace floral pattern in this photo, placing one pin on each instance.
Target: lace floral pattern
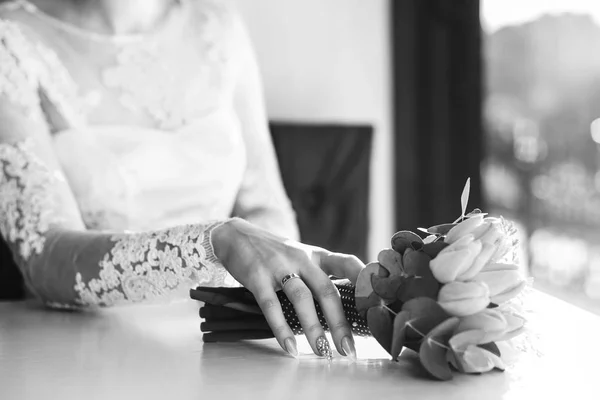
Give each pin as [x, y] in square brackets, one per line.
[25, 67]
[16, 77]
[25, 208]
[147, 266]
[199, 47]
[143, 72]
[58, 84]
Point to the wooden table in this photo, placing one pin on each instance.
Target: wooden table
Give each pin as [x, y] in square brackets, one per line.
[156, 352]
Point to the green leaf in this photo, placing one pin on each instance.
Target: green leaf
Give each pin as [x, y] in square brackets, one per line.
[423, 307]
[421, 282]
[475, 212]
[383, 272]
[387, 288]
[363, 282]
[392, 261]
[414, 345]
[398, 338]
[425, 314]
[464, 198]
[414, 286]
[441, 229]
[396, 306]
[434, 248]
[406, 240]
[416, 263]
[432, 352]
[363, 304]
[364, 296]
[379, 320]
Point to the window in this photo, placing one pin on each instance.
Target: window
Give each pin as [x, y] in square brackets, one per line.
[542, 115]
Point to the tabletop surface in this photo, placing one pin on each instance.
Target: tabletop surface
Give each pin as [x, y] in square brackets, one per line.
[156, 352]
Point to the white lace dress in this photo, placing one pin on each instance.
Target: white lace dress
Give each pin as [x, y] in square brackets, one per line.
[120, 154]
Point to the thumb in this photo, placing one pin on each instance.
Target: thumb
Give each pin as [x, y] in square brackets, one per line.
[340, 265]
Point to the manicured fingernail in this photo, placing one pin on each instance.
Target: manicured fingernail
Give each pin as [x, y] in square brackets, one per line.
[324, 348]
[348, 347]
[290, 346]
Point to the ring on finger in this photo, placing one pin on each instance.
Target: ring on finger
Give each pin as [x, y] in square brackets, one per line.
[288, 278]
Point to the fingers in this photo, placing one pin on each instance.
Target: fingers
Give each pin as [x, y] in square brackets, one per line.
[304, 304]
[269, 304]
[340, 265]
[329, 298]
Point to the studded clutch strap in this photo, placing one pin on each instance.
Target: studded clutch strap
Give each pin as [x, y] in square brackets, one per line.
[232, 314]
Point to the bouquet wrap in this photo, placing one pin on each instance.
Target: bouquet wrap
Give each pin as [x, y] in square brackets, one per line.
[450, 296]
[232, 314]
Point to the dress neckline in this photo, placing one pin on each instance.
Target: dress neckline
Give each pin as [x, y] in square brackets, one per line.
[175, 13]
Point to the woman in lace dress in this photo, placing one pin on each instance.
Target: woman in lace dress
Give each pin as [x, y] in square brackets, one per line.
[130, 132]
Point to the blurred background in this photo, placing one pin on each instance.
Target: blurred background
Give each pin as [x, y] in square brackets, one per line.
[381, 109]
[542, 152]
[503, 91]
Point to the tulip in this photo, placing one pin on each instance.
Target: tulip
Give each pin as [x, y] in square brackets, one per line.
[488, 230]
[464, 298]
[463, 228]
[482, 259]
[461, 261]
[468, 357]
[504, 281]
[515, 324]
[491, 322]
[475, 360]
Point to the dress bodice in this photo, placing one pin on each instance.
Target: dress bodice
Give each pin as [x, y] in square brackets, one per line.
[139, 179]
[147, 129]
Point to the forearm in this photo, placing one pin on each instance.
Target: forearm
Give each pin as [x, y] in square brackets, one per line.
[98, 269]
[63, 263]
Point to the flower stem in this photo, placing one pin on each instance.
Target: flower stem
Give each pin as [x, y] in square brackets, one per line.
[430, 339]
[389, 309]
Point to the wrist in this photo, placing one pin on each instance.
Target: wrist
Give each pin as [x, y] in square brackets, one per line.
[221, 238]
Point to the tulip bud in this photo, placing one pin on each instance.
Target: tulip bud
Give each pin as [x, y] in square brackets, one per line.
[515, 324]
[455, 260]
[491, 322]
[482, 259]
[493, 234]
[476, 360]
[464, 298]
[503, 280]
[463, 228]
[482, 228]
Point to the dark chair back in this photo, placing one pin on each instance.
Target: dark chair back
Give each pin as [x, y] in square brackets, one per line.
[325, 171]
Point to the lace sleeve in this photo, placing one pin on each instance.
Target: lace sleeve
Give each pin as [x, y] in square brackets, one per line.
[62, 263]
[262, 198]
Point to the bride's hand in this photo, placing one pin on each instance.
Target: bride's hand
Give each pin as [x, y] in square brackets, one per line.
[260, 261]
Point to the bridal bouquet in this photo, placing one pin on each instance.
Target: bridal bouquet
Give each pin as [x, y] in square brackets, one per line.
[450, 296]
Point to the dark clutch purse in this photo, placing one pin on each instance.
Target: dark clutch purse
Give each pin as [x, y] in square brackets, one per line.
[232, 314]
